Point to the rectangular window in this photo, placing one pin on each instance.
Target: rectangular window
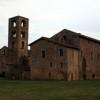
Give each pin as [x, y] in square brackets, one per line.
[61, 52]
[50, 64]
[43, 54]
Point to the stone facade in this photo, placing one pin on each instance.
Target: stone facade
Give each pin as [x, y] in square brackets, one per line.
[65, 56]
[18, 35]
[52, 60]
[89, 53]
[14, 56]
[90, 57]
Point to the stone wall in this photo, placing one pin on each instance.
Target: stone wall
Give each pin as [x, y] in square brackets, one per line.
[54, 66]
[90, 58]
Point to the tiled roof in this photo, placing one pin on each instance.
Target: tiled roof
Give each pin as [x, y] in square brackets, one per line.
[52, 41]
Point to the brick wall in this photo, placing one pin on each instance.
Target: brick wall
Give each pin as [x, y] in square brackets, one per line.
[90, 53]
[54, 65]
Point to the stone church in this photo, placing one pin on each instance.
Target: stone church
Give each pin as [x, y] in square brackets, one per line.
[65, 56]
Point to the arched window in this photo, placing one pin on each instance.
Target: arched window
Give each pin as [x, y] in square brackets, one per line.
[14, 23]
[23, 45]
[13, 44]
[23, 23]
[13, 34]
[22, 34]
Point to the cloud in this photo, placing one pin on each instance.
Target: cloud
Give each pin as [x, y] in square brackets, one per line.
[50, 16]
[5, 2]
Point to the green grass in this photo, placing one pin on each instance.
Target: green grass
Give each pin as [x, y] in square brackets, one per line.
[49, 90]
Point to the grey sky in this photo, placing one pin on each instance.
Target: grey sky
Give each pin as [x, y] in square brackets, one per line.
[48, 17]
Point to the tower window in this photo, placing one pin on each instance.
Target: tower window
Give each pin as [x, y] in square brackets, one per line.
[22, 34]
[23, 23]
[14, 34]
[43, 54]
[23, 45]
[61, 52]
[14, 23]
[13, 44]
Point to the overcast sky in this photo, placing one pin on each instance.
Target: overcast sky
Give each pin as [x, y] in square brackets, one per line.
[48, 17]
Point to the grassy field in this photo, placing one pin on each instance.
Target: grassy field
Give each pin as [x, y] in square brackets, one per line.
[49, 90]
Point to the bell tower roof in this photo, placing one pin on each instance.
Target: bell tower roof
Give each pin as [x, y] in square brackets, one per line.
[18, 16]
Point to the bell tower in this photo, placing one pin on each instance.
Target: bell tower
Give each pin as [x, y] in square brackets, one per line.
[18, 35]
